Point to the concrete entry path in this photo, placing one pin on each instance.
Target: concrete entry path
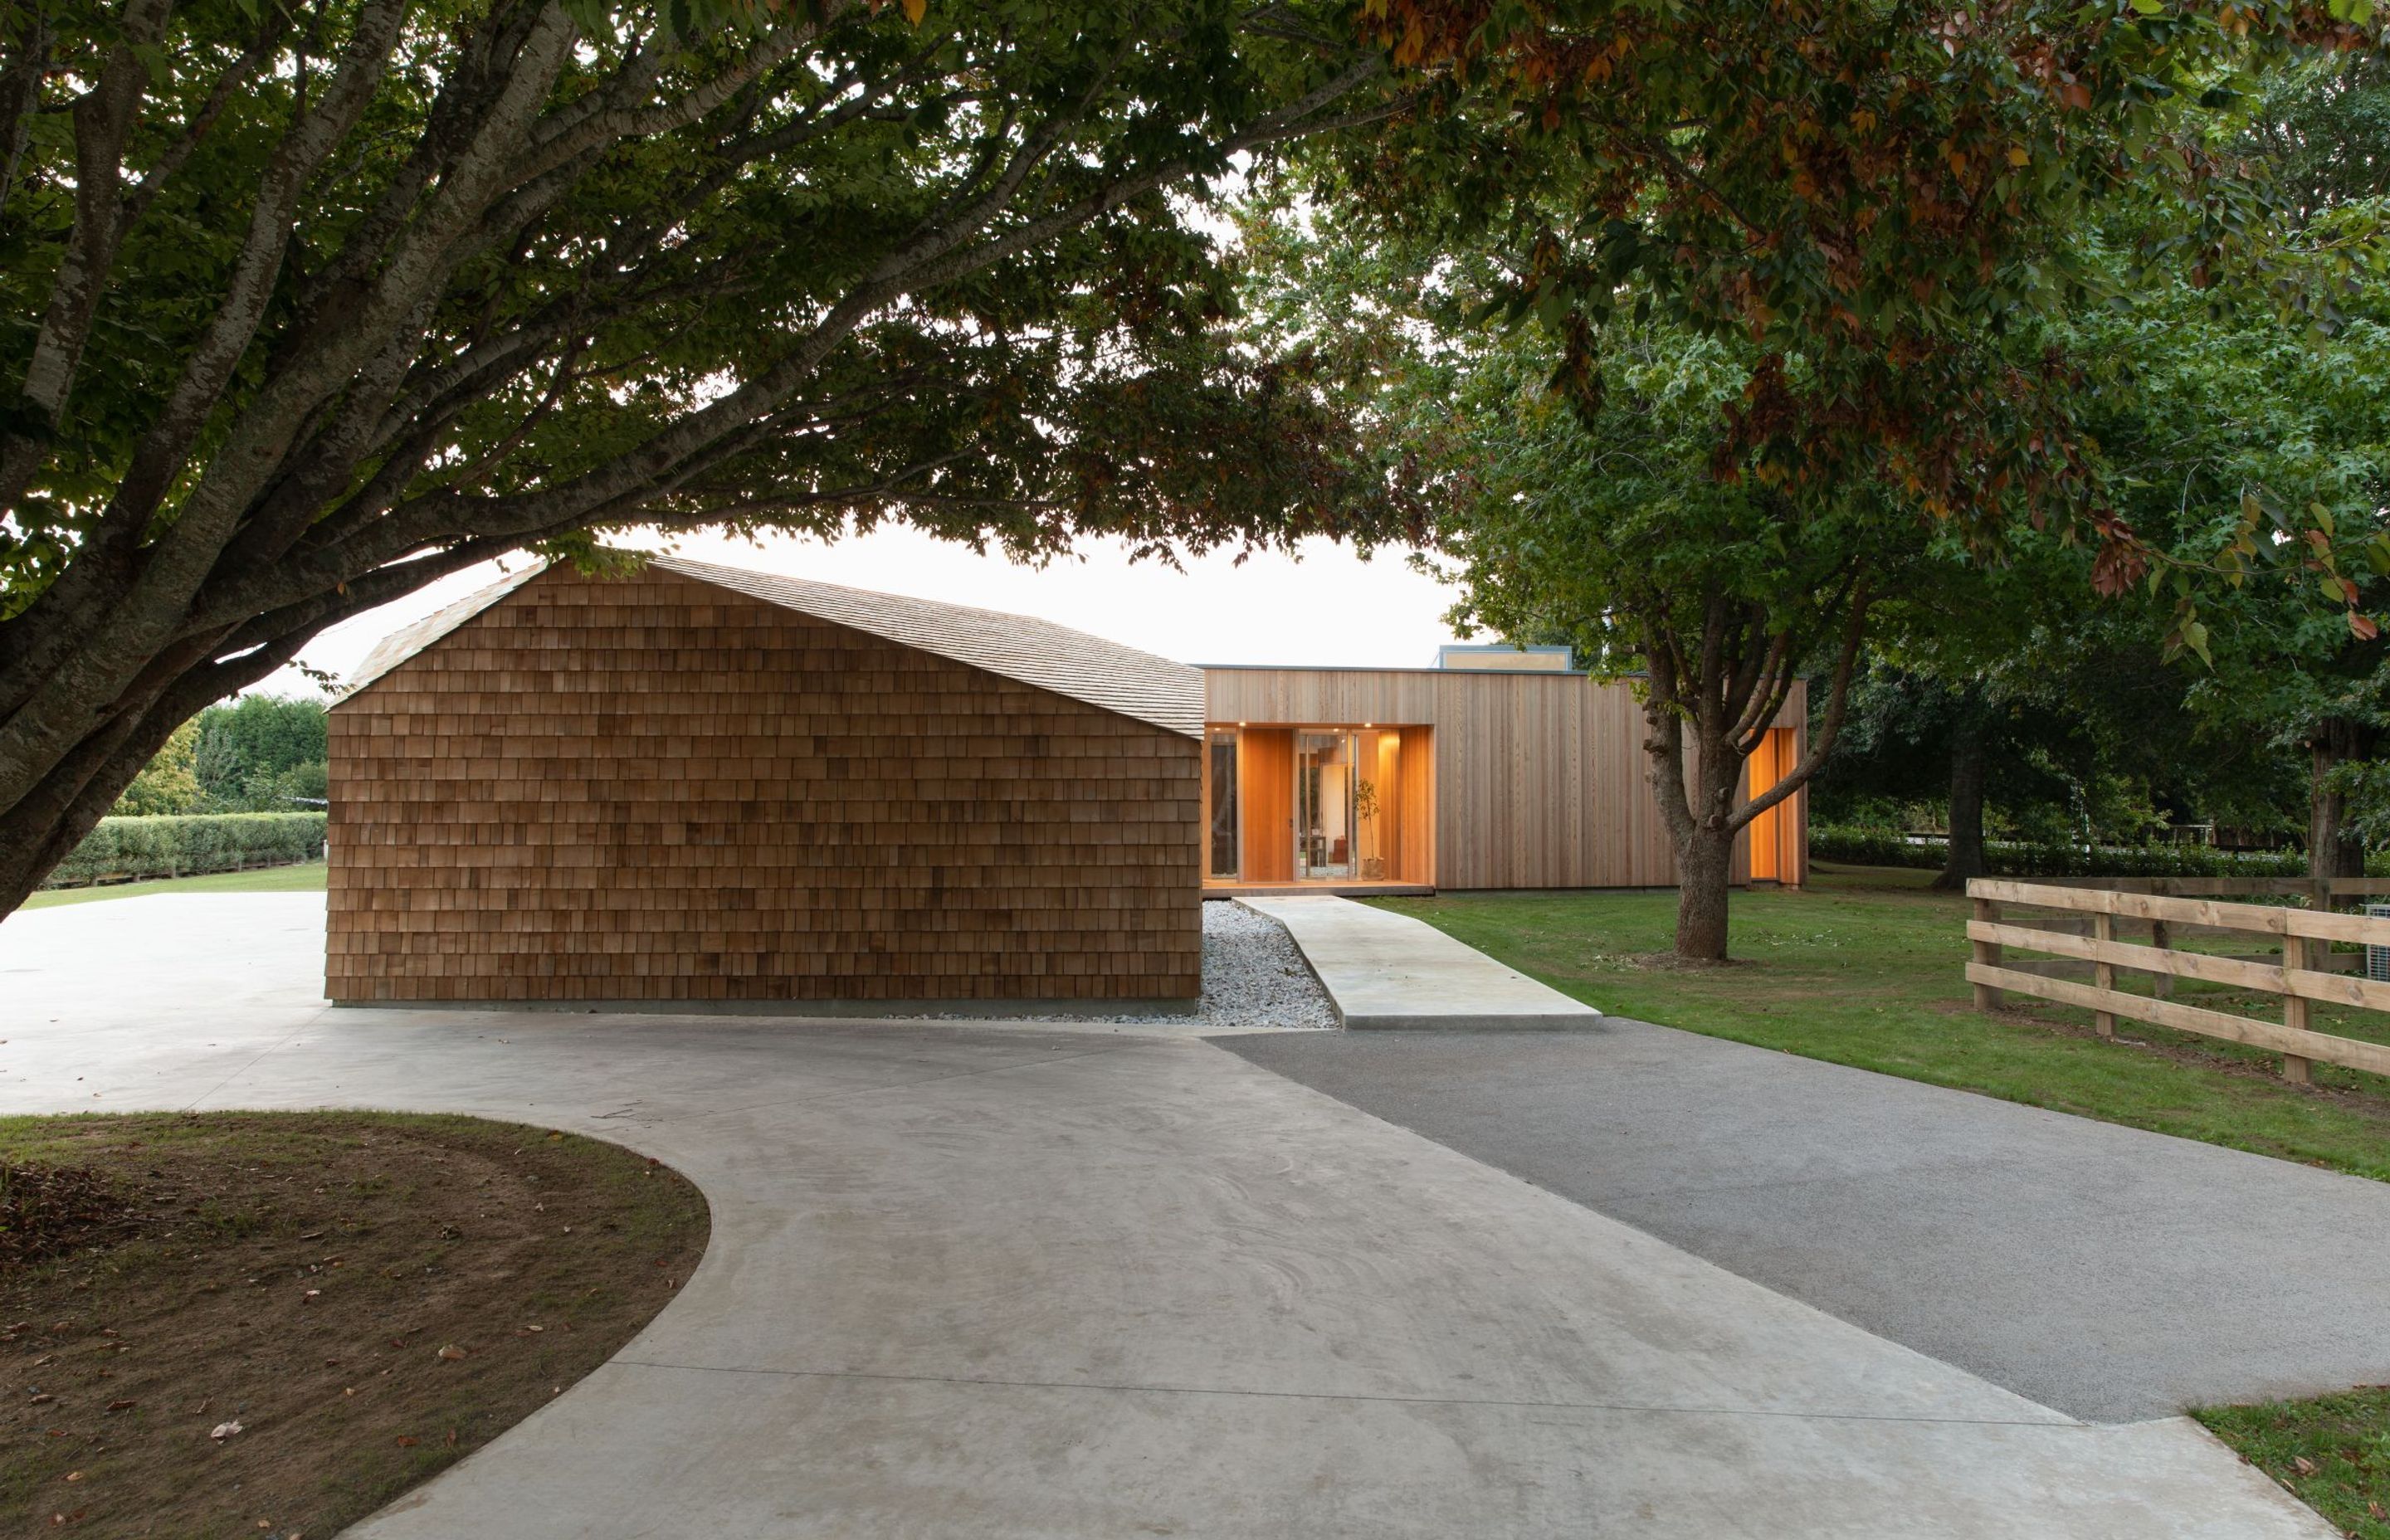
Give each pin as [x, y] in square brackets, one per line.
[1385, 971]
[2108, 1272]
[1095, 1282]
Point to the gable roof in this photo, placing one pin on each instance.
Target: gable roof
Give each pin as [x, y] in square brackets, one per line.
[409, 640]
[1049, 657]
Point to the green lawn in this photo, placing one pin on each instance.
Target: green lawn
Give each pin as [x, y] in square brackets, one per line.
[305, 878]
[2333, 1451]
[1866, 968]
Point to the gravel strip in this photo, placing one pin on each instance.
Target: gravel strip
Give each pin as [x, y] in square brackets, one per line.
[1253, 974]
[1253, 977]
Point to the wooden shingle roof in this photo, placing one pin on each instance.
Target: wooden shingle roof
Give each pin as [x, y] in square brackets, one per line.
[1071, 663]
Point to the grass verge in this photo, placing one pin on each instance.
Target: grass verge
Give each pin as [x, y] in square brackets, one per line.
[305, 876]
[272, 1324]
[2332, 1452]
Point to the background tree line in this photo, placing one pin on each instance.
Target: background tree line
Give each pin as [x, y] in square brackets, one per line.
[261, 753]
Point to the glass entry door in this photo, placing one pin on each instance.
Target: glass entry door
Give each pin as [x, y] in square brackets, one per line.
[1324, 775]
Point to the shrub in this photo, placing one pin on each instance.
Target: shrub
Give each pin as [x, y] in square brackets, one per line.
[1886, 847]
[167, 783]
[184, 846]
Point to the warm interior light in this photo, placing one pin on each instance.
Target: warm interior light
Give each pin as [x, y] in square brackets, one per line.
[1239, 723]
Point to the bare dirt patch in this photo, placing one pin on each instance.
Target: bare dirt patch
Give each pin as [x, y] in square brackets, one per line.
[272, 1324]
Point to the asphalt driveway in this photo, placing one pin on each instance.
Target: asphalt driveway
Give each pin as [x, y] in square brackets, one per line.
[1021, 1281]
[2112, 1274]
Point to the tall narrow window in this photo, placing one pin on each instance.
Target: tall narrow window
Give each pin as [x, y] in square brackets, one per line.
[1225, 822]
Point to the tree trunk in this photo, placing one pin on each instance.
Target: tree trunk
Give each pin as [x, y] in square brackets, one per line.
[2333, 850]
[1968, 752]
[1704, 865]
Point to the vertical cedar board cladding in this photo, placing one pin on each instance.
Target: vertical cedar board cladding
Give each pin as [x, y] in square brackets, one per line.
[656, 789]
[1541, 780]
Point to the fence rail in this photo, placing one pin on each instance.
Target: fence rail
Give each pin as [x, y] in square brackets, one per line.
[2321, 892]
[2300, 975]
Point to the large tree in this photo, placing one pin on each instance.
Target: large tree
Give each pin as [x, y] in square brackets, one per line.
[310, 302]
[1580, 499]
[1872, 213]
[1596, 518]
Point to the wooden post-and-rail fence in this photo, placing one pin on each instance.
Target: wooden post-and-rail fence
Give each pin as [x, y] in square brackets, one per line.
[2302, 975]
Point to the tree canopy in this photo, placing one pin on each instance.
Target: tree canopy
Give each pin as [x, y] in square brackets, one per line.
[1875, 197]
[313, 304]
[313, 301]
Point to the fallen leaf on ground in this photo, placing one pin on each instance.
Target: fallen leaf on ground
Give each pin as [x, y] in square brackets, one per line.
[224, 1431]
[452, 1352]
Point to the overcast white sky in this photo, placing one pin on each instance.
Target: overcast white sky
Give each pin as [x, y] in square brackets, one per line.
[1329, 607]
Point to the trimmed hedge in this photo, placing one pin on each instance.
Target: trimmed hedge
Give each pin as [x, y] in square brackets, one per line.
[1883, 847]
[184, 846]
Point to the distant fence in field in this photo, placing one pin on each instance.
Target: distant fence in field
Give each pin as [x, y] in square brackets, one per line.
[2297, 966]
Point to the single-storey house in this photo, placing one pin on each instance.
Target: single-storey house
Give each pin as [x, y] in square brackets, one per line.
[700, 784]
[1499, 767]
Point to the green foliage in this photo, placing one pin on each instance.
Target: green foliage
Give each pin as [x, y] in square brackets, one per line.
[1876, 846]
[1873, 200]
[2238, 428]
[169, 783]
[1071, 377]
[180, 846]
[2324, 131]
[259, 753]
[2083, 728]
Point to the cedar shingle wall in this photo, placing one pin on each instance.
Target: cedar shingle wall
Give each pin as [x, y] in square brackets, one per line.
[654, 790]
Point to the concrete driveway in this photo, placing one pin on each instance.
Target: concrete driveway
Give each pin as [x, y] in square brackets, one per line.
[1023, 1281]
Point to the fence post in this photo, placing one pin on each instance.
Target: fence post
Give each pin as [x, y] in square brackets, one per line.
[2162, 937]
[1988, 953]
[2295, 1070]
[2103, 972]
